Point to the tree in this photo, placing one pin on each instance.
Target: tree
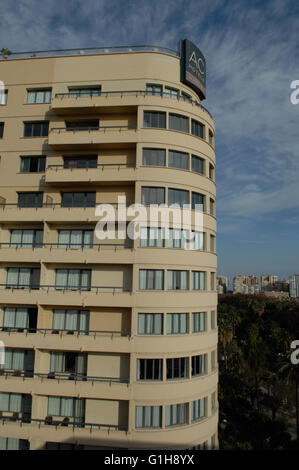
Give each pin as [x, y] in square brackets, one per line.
[290, 373]
[5, 52]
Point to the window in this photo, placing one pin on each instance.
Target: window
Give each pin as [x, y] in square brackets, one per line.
[67, 407]
[151, 279]
[198, 365]
[178, 160]
[34, 199]
[3, 97]
[197, 164]
[91, 125]
[39, 96]
[24, 238]
[213, 401]
[178, 196]
[88, 91]
[11, 402]
[63, 446]
[148, 416]
[150, 324]
[212, 207]
[21, 360]
[177, 280]
[211, 137]
[36, 129]
[213, 281]
[198, 202]
[69, 363]
[153, 157]
[198, 322]
[79, 199]
[154, 119]
[198, 409]
[71, 320]
[149, 369]
[75, 239]
[185, 96]
[1, 129]
[23, 278]
[198, 280]
[33, 164]
[152, 89]
[211, 172]
[213, 319]
[212, 243]
[176, 415]
[177, 368]
[19, 318]
[177, 323]
[8, 443]
[198, 241]
[197, 128]
[185, 240]
[151, 237]
[88, 161]
[152, 195]
[178, 123]
[171, 92]
[73, 279]
[213, 360]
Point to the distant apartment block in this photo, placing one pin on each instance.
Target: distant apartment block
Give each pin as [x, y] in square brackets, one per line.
[246, 285]
[294, 286]
[222, 284]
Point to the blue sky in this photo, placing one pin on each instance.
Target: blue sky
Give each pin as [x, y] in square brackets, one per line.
[252, 53]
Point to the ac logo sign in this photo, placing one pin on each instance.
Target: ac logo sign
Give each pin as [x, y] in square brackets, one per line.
[295, 94]
[197, 62]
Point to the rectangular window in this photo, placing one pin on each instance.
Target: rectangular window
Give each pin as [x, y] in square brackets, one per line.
[150, 324]
[78, 199]
[71, 320]
[178, 196]
[178, 160]
[186, 97]
[212, 207]
[151, 237]
[211, 137]
[23, 278]
[213, 281]
[151, 279]
[86, 125]
[213, 402]
[176, 415]
[198, 322]
[213, 319]
[3, 97]
[212, 243]
[11, 402]
[69, 363]
[177, 368]
[34, 199]
[149, 369]
[9, 443]
[177, 238]
[153, 157]
[73, 279]
[198, 280]
[178, 123]
[85, 161]
[19, 318]
[177, 323]
[33, 164]
[154, 119]
[197, 128]
[152, 89]
[75, 239]
[36, 129]
[1, 129]
[198, 409]
[83, 92]
[198, 365]
[148, 416]
[67, 407]
[198, 202]
[171, 92]
[213, 360]
[26, 238]
[152, 195]
[21, 360]
[197, 164]
[211, 172]
[42, 95]
[198, 241]
[177, 280]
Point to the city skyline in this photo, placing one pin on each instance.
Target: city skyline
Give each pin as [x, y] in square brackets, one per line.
[251, 51]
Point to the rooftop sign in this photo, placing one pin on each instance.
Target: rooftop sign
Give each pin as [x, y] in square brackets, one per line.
[193, 68]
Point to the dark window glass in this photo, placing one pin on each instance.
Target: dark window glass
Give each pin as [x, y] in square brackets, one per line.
[83, 125]
[178, 196]
[198, 365]
[85, 91]
[33, 164]
[197, 164]
[178, 123]
[80, 199]
[1, 129]
[198, 199]
[197, 128]
[153, 157]
[152, 195]
[149, 369]
[178, 160]
[154, 90]
[88, 161]
[177, 368]
[36, 129]
[30, 199]
[154, 119]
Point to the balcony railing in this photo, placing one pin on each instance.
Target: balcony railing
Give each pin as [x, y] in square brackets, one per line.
[86, 167]
[60, 288]
[70, 246]
[74, 423]
[90, 129]
[55, 205]
[61, 376]
[62, 332]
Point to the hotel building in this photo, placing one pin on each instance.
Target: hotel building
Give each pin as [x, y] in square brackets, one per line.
[109, 343]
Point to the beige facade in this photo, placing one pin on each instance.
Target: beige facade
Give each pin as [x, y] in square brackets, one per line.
[109, 343]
